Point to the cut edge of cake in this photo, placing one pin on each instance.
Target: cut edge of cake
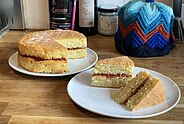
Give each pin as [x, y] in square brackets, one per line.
[149, 93]
[133, 85]
[75, 42]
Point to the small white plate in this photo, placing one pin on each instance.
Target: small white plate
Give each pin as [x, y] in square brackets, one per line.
[98, 100]
[75, 65]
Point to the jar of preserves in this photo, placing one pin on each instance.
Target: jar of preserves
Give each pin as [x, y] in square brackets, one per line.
[107, 19]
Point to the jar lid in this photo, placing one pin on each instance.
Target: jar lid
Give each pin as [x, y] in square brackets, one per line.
[108, 8]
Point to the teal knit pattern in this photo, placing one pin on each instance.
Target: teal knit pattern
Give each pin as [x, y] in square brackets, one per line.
[145, 29]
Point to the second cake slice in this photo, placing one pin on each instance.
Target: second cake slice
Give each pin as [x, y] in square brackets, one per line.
[112, 72]
[141, 92]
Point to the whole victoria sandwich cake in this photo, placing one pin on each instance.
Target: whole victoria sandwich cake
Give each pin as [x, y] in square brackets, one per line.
[44, 52]
[112, 72]
[145, 29]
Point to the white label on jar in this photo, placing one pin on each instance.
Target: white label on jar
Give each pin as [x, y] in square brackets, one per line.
[86, 13]
[107, 25]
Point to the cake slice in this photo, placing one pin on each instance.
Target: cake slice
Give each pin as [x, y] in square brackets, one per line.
[112, 72]
[141, 92]
[131, 88]
[75, 42]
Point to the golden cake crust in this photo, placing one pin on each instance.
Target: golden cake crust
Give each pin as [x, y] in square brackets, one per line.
[69, 39]
[122, 60]
[52, 44]
[117, 65]
[40, 44]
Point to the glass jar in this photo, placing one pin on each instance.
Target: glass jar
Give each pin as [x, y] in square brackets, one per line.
[107, 19]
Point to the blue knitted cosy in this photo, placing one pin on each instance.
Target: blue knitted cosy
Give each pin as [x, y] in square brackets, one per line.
[145, 29]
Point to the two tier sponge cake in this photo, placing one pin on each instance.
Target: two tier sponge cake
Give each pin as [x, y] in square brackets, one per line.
[112, 72]
[48, 51]
[141, 92]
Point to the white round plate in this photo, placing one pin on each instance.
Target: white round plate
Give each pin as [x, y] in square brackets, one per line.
[98, 100]
[75, 65]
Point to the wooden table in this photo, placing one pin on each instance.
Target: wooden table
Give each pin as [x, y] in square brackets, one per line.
[27, 99]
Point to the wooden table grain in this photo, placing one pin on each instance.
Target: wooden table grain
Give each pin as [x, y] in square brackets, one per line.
[26, 99]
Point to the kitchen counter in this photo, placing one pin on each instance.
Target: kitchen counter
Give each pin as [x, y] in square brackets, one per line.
[27, 99]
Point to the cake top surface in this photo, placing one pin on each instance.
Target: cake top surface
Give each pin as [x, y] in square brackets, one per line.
[40, 39]
[48, 38]
[51, 35]
[122, 60]
[66, 34]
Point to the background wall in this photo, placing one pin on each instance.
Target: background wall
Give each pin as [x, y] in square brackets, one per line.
[168, 2]
[36, 12]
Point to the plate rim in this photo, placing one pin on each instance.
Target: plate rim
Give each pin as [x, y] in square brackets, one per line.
[126, 117]
[51, 75]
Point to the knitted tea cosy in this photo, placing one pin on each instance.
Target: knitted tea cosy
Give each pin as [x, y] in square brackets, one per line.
[145, 29]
